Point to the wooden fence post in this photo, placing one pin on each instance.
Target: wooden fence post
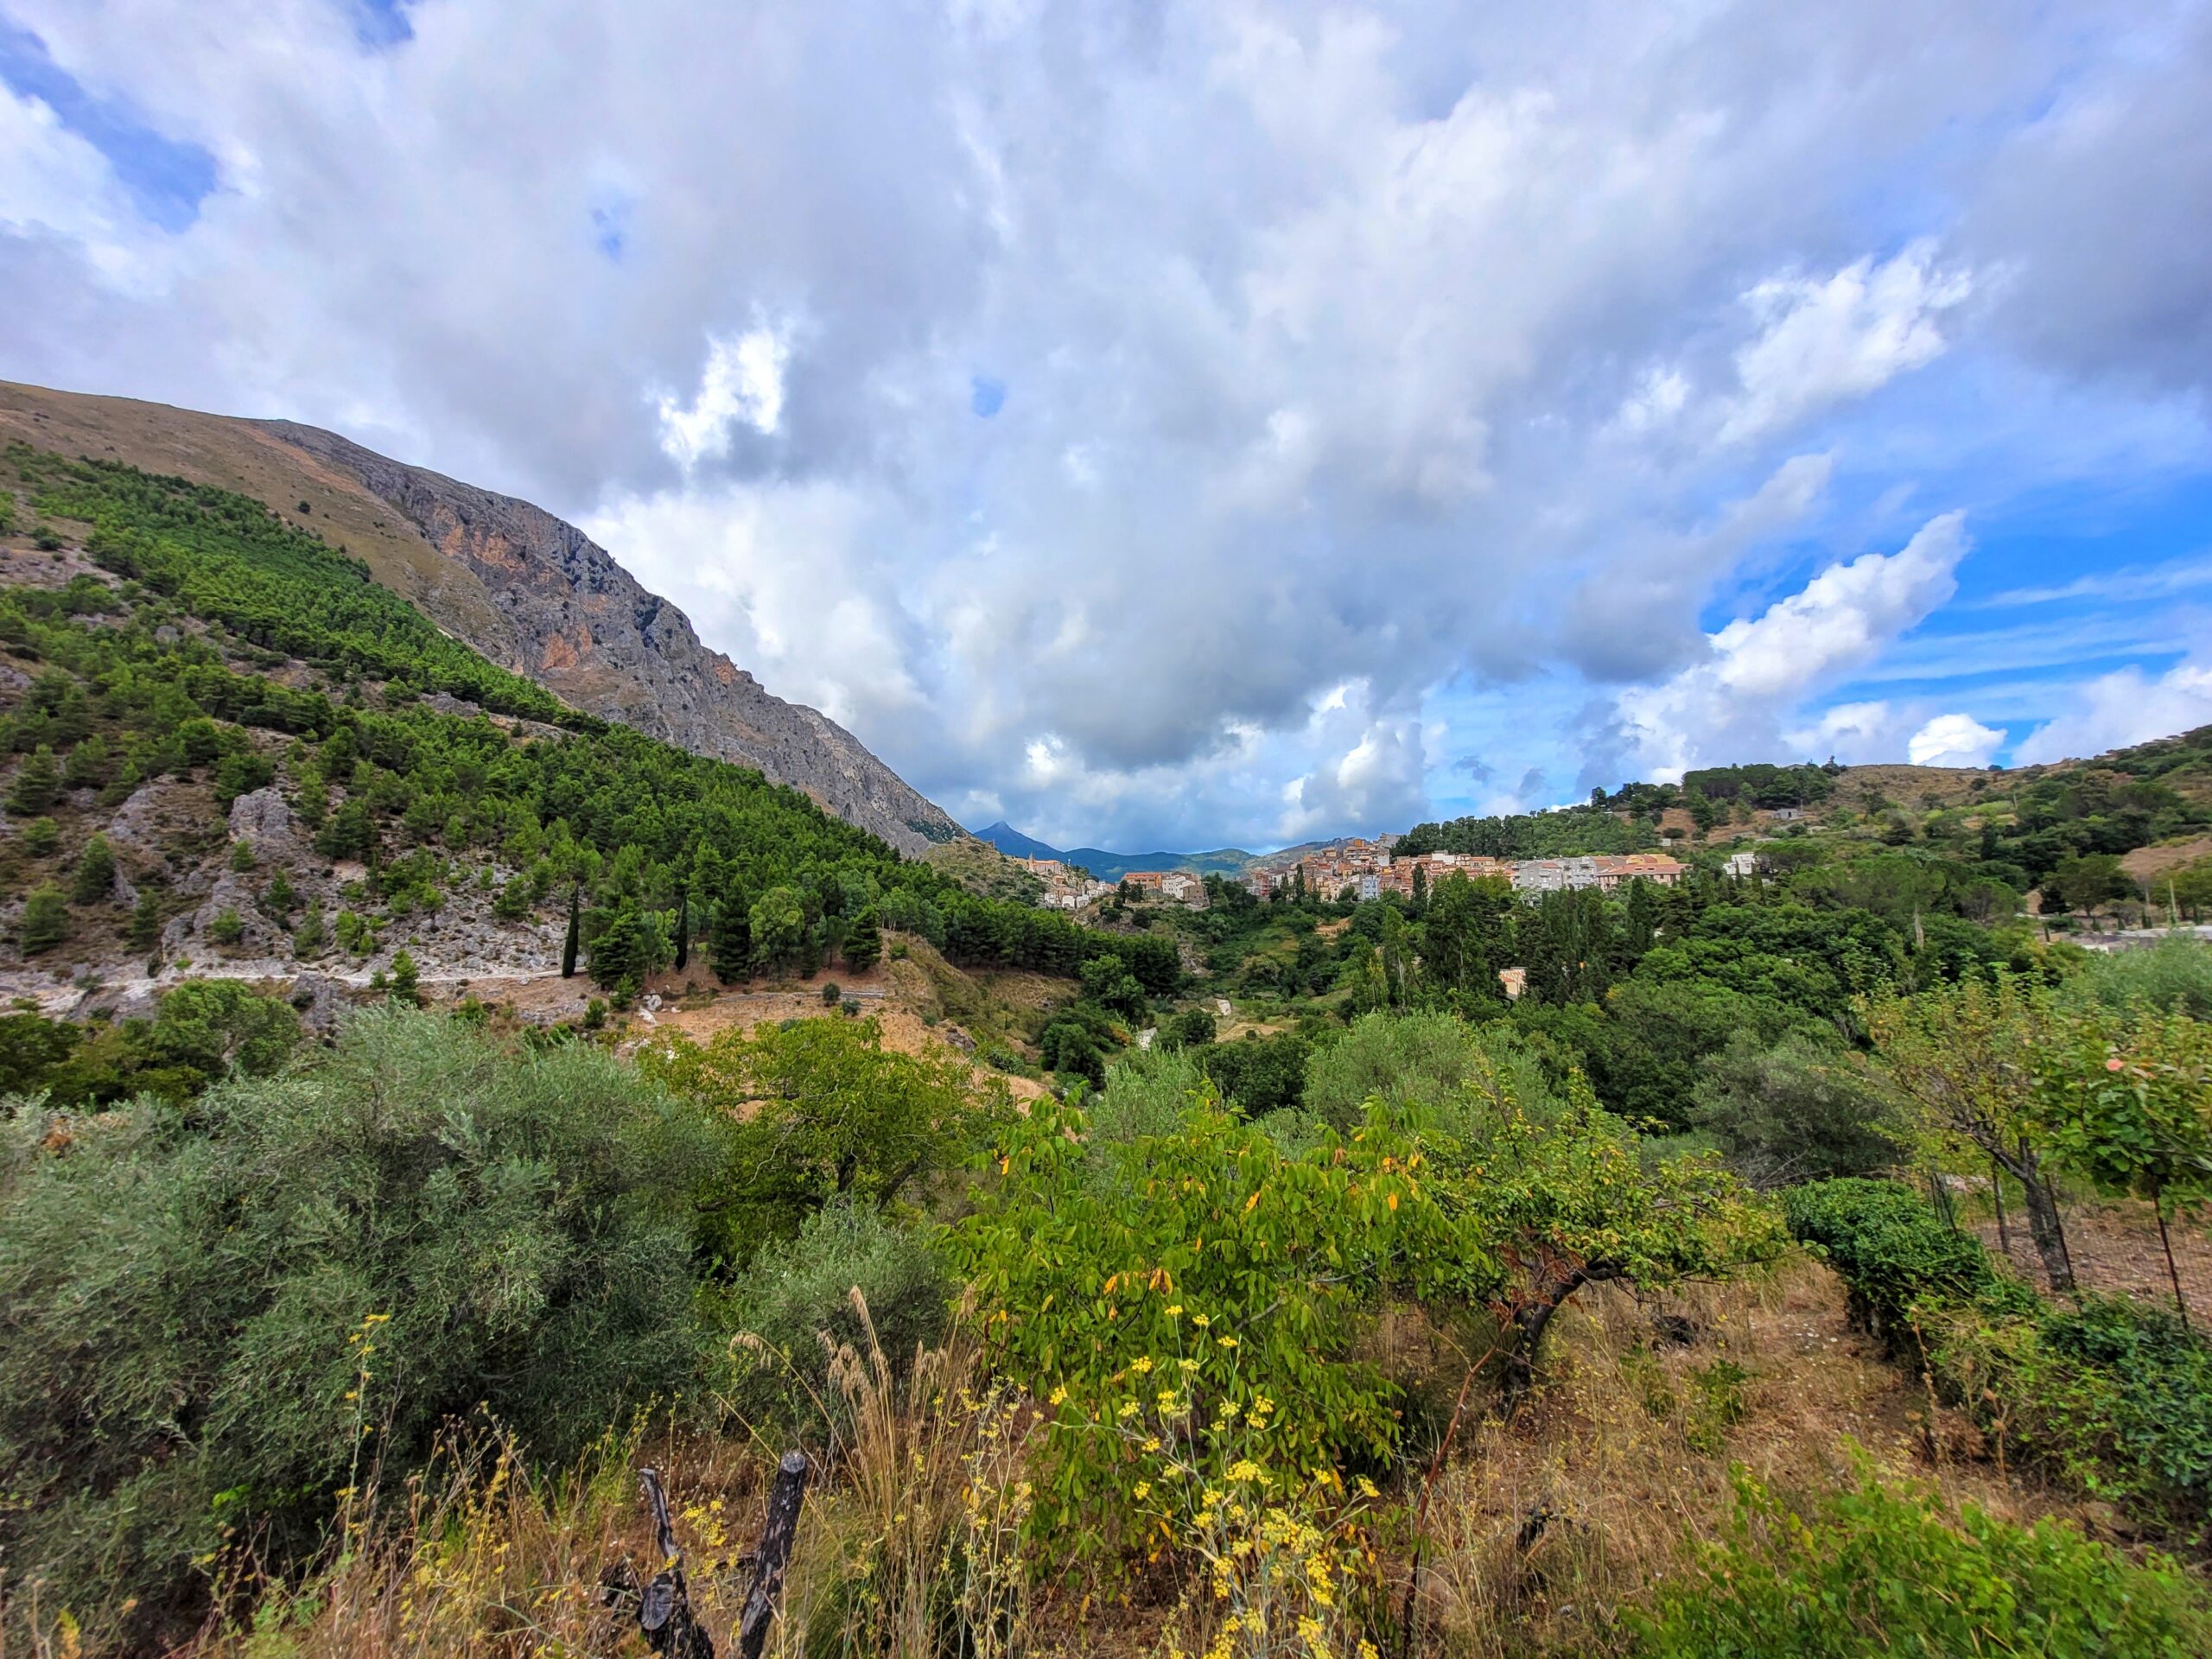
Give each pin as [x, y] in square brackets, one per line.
[775, 1555]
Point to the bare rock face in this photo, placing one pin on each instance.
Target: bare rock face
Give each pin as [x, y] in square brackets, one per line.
[579, 625]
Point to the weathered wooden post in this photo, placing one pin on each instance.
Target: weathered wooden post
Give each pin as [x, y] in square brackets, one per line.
[664, 1603]
[775, 1555]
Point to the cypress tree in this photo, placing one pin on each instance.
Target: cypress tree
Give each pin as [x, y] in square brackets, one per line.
[733, 939]
[569, 944]
[683, 926]
[864, 944]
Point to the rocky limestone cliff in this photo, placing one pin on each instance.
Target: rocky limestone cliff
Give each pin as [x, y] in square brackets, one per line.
[533, 594]
[583, 627]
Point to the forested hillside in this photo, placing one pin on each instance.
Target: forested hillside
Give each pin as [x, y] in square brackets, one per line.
[231, 746]
[507, 580]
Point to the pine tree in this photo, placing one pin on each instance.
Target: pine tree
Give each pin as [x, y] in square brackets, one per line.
[406, 980]
[38, 783]
[733, 956]
[864, 944]
[683, 926]
[145, 923]
[46, 920]
[277, 898]
[95, 881]
[569, 944]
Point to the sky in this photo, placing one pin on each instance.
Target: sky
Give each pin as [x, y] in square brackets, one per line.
[1171, 425]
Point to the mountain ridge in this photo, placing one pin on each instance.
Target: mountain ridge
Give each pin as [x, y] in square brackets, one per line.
[523, 587]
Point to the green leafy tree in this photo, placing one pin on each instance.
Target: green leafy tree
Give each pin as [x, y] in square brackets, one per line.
[1960, 1059]
[2127, 1102]
[1797, 1110]
[1201, 1273]
[826, 1112]
[94, 882]
[777, 924]
[569, 940]
[1189, 1028]
[227, 929]
[1109, 983]
[424, 1225]
[277, 899]
[312, 936]
[629, 946]
[2087, 880]
[31, 1047]
[406, 980]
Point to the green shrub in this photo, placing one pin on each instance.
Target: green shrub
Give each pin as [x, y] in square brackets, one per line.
[415, 1224]
[1191, 1028]
[2174, 973]
[1882, 1570]
[2120, 1397]
[1795, 1112]
[41, 838]
[1892, 1251]
[798, 1289]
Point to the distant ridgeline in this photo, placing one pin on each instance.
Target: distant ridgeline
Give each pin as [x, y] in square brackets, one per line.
[233, 649]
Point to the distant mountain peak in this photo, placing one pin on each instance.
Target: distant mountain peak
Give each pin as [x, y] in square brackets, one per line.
[1014, 843]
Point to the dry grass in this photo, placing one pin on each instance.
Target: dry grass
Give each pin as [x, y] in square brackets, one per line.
[1541, 1530]
[1547, 1526]
[483, 1561]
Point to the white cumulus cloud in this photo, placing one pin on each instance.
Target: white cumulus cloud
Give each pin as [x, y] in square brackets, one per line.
[2122, 708]
[1954, 741]
[1759, 670]
[1822, 342]
[742, 383]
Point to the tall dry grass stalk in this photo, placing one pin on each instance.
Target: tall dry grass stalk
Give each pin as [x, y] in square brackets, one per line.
[912, 1549]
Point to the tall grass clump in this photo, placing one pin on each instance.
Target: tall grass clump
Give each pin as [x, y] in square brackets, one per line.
[221, 1318]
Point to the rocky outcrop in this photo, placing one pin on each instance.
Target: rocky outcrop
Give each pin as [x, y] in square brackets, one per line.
[579, 625]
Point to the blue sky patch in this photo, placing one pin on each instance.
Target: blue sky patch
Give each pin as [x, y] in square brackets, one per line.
[381, 23]
[986, 396]
[166, 179]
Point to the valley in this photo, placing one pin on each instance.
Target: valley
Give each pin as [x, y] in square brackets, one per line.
[1514, 1235]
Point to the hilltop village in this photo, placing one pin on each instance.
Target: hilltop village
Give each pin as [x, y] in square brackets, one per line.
[1364, 869]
